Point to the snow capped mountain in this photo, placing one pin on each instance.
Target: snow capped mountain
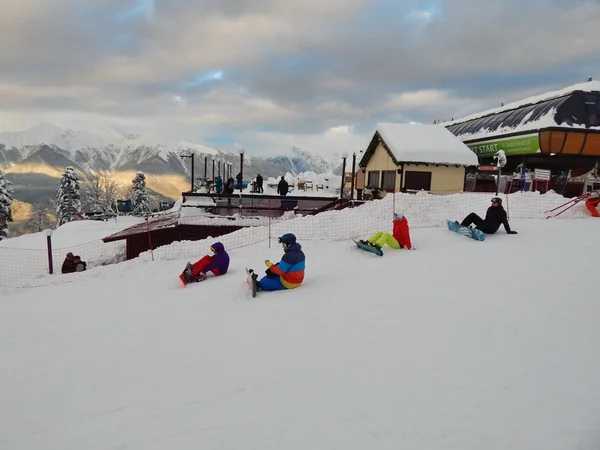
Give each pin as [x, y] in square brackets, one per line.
[34, 158]
[109, 148]
[303, 161]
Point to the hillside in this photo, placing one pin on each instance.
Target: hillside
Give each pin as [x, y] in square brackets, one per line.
[439, 356]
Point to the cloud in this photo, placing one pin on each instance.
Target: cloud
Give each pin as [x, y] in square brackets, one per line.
[272, 73]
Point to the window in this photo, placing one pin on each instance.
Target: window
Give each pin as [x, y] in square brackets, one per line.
[417, 180]
[388, 180]
[373, 180]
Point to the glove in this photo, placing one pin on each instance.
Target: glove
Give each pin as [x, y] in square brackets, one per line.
[511, 232]
[268, 263]
[271, 274]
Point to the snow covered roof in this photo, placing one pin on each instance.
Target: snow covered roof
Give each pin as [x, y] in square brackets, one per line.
[589, 86]
[424, 143]
[157, 221]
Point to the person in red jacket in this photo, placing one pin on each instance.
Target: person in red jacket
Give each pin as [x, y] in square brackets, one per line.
[592, 203]
[399, 238]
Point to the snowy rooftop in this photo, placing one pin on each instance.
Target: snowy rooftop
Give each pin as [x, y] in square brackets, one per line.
[589, 86]
[425, 143]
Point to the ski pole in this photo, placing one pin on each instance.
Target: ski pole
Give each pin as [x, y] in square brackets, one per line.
[575, 200]
[560, 212]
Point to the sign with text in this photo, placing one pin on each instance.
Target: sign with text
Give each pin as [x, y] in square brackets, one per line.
[521, 145]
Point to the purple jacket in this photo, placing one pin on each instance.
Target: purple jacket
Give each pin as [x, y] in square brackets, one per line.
[220, 260]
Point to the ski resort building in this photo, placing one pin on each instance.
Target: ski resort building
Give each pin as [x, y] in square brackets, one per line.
[407, 157]
[558, 131]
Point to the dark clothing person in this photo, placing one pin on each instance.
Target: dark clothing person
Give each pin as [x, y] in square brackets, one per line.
[68, 264]
[229, 186]
[259, 183]
[494, 217]
[80, 265]
[283, 187]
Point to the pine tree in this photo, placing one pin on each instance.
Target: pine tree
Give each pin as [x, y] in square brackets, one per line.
[139, 197]
[68, 199]
[6, 199]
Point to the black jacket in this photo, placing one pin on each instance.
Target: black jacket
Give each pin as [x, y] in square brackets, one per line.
[282, 187]
[68, 266]
[494, 217]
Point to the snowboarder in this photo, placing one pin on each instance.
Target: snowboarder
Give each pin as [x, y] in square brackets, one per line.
[400, 237]
[68, 265]
[218, 264]
[494, 217]
[80, 265]
[287, 273]
[592, 203]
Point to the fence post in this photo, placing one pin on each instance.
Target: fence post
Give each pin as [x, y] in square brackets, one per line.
[149, 238]
[269, 222]
[48, 233]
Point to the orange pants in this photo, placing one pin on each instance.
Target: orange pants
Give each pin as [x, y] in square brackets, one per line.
[592, 204]
[201, 264]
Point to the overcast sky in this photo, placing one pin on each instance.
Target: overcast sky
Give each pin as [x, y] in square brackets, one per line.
[269, 74]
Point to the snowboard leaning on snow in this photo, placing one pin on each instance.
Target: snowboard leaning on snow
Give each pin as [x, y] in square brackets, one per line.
[252, 281]
[473, 233]
[368, 248]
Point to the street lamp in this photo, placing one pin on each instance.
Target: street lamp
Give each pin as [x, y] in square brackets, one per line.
[190, 155]
[344, 157]
[241, 150]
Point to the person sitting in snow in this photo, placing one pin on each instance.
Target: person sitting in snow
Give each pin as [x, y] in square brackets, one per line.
[218, 264]
[68, 264]
[80, 265]
[400, 237]
[592, 203]
[494, 217]
[287, 273]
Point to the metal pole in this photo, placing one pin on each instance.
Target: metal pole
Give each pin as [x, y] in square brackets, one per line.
[498, 183]
[241, 171]
[353, 175]
[343, 178]
[192, 187]
[205, 167]
[213, 170]
[49, 245]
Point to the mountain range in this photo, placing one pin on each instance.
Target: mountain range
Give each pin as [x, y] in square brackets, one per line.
[34, 159]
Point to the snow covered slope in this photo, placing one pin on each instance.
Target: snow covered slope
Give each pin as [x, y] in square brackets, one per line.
[457, 345]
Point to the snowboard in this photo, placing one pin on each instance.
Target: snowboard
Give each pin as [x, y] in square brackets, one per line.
[368, 248]
[189, 267]
[251, 281]
[473, 233]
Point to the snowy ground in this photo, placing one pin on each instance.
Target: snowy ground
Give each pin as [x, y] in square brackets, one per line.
[458, 345]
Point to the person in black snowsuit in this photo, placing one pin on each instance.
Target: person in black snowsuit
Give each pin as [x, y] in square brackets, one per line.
[68, 264]
[494, 217]
[282, 187]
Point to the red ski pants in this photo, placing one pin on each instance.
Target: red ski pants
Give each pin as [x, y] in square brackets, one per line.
[591, 204]
[201, 264]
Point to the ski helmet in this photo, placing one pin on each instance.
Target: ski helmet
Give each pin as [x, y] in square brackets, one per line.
[287, 239]
[497, 200]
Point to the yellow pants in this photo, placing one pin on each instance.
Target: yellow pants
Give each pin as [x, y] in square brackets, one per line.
[381, 238]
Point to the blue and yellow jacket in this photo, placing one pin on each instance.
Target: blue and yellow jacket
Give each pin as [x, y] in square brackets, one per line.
[291, 267]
